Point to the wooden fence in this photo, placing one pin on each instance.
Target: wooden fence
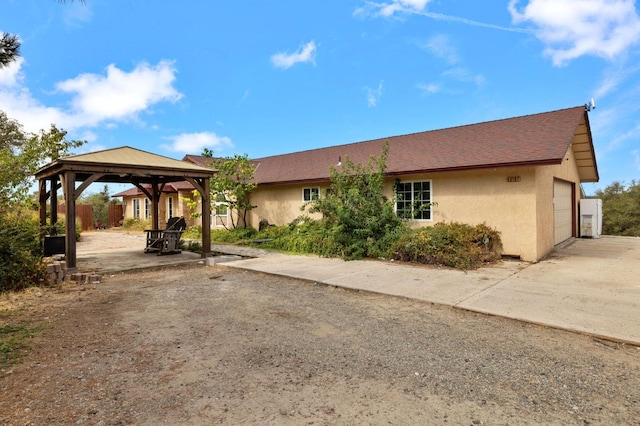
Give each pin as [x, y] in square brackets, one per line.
[116, 215]
[84, 213]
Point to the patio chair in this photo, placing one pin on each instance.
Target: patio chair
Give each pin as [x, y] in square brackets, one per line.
[166, 241]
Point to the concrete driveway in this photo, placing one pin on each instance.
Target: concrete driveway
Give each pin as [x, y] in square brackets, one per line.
[588, 286]
[591, 286]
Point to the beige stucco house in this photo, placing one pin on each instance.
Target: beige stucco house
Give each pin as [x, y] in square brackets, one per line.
[519, 175]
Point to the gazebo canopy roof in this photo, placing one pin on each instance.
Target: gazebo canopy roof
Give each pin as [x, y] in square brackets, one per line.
[125, 165]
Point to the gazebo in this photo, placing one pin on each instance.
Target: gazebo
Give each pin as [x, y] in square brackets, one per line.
[149, 172]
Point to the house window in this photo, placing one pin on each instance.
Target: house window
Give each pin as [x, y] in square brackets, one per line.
[310, 194]
[169, 207]
[147, 209]
[220, 214]
[413, 200]
[136, 208]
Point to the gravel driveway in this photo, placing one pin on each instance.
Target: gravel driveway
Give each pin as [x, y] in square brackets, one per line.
[215, 345]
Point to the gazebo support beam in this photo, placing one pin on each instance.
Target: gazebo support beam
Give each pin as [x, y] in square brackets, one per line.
[203, 187]
[70, 221]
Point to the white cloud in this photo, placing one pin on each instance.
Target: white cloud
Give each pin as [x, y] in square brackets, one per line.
[194, 143]
[306, 53]
[464, 75]
[450, 82]
[373, 95]
[418, 7]
[440, 46]
[11, 75]
[118, 96]
[614, 77]
[430, 88]
[89, 136]
[570, 29]
[406, 6]
[388, 9]
[77, 14]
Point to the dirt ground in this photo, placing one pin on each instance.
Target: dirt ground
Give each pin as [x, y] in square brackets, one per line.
[216, 345]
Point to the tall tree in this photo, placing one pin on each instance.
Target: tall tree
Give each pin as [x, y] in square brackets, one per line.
[232, 184]
[22, 153]
[621, 209]
[9, 49]
[355, 211]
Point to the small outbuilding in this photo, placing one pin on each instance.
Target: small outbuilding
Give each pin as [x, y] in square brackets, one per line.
[148, 172]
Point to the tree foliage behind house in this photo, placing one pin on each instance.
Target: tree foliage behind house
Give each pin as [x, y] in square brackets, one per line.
[620, 209]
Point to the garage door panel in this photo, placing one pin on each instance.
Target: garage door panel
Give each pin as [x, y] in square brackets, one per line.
[562, 211]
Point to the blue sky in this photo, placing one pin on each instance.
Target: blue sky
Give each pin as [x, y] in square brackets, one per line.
[271, 77]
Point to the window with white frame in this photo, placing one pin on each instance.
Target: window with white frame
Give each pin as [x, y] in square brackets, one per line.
[413, 200]
[147, 208]
[221, 214]
[310, 194]
[136, 208]
[169, 207]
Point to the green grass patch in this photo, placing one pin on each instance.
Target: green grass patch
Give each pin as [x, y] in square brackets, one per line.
[14, 342]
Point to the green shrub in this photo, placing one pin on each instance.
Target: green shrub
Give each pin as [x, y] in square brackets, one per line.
[60, 226]
[233, 235]
[301, 236]
[359, 220]
[136, 224]
[193, 232]
[21, 264]
[190, 245]
[454, 244]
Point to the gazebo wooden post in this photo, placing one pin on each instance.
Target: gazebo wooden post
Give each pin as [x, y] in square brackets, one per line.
[155, 195]
[42, 198]
[70, 220]
[206, 218]
[53, 200]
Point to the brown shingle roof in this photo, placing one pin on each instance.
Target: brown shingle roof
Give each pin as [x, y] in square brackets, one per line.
[536, 139]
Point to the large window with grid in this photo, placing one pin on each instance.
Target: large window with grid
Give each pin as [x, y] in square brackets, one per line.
[147, 208]
[413, 200]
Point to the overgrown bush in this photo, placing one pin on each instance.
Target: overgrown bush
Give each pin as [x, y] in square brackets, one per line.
[21, 262]
[456, 245]
[621, 209]
[233, 235]
[301, 236]
[136, 224]
[190, 245]
[193, 233]
[358, 220]
[60, 226]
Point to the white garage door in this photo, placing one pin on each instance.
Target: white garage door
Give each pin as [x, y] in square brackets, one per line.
[562, 211]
